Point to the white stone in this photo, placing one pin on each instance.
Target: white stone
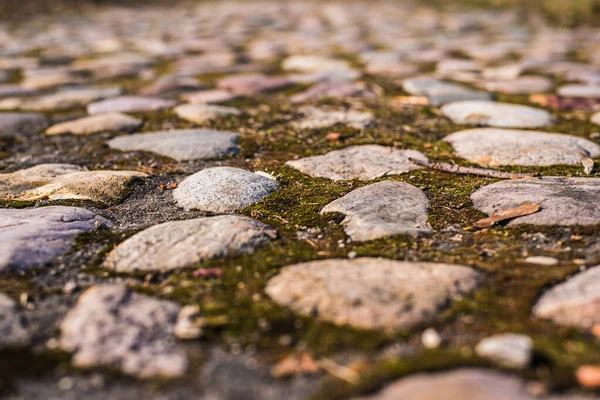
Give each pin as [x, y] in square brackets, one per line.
[114, 327]
[201, 113]
[494, 147]
[182, 144]
[315, 118]
[129, 104]
[34, 237]
[382, 209]
[575, 302]
[364, 162]
[181, 244]
[587, 91]
[371, 293]
[509, 350]
[563, 201]
[222, 190]
[501, 115]
[110, 122]
[458, 384]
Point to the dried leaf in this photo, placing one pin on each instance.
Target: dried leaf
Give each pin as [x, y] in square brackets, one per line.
[507, 213]
[411, 100]
[295, 364]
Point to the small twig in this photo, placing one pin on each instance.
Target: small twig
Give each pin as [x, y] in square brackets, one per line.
[339, 371]
[457, 169]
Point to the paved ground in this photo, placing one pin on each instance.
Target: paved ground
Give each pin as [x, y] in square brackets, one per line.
[235, 200]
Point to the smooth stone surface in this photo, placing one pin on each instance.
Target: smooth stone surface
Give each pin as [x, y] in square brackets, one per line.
[170, 85]
[111, 122]
[12, 330]
[180, 244]
[501, 115]
[49, 77]
[564, 201]
[509, 350]
[440, 92]
[212, 62]
[575, 302]
[65, 99]
[114, 327]
[21, 124]
[596, 118]
[250, 84]
[493, 147]
[129, 104]
[520, 85]
[214, 96]
[333, 75]
[313, 63]
[11, 90]
[371, 293]
[181, 145]
[33, 237]
[392, 69]
[382, 209]
[334, 89]
[588, 91]
[222, 190]
[65, 181]
[364, 162]
[452, 65]
[459, 384]
[200, 113]
[315, 118]
[505, 73]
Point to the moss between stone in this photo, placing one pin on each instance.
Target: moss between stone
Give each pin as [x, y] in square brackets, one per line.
[24, 363]
[240, 313]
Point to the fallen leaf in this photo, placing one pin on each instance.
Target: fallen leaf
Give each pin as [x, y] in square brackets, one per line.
[295, 364]
[507, 213]
[410, 100]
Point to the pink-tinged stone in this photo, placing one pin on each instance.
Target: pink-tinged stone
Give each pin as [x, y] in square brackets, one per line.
[253, 83]
[129, 104]
[339, 90]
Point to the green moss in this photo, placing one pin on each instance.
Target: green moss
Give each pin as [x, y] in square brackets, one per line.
[239, 313]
